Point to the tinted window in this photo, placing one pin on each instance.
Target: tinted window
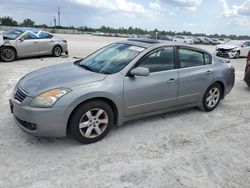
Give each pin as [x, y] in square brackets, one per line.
[191, 58]
[160, 60]
[29, 36]
[43, 35]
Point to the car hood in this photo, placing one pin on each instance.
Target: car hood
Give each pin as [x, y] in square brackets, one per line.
[227, 46]
[65, 75]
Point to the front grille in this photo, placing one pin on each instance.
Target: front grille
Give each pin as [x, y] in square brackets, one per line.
[20, 95]
[222, 54]
[28, 125]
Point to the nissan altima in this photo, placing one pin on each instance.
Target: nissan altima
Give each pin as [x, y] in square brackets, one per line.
[120, 82]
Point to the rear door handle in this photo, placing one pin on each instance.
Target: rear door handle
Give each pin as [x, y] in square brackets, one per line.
[171, 81]
[209, 72]
[35, 42]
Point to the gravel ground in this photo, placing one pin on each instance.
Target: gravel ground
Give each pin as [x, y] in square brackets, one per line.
[188, 148]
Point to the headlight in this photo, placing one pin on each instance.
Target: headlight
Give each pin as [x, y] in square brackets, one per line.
[49, 98]
[233, 50]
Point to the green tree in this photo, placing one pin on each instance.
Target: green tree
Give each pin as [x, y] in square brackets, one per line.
[28, 23]
[8, 21]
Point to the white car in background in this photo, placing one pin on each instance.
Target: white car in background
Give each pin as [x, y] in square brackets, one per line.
[183, 39]
[233, 49]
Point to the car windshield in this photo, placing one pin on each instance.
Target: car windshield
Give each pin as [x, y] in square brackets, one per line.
[12, 34]
[111, 59]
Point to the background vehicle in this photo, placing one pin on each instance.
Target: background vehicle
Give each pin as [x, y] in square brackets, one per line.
[25, 42]
[247, 70]
[233, 49]
[203, 40]
[120, 82]
[165, 37]
[183, 39]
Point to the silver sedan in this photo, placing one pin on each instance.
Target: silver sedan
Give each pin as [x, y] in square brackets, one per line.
[120, 82]
[21, 42]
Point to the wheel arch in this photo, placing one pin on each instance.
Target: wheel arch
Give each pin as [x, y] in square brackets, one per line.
[6, 46]
[222, 85]
[110, 102]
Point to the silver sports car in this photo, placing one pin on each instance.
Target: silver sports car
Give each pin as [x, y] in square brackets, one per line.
[120, 82]
[25, 42]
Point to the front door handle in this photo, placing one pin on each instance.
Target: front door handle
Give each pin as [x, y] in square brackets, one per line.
[209, 72]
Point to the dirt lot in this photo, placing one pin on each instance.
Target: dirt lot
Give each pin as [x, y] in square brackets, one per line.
[188, 148]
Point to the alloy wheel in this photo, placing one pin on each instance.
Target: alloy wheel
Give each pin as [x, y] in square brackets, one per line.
[213, 97]
[93, 123]
[7, 54]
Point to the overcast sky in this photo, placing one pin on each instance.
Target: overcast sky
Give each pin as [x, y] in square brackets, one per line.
[207, 16]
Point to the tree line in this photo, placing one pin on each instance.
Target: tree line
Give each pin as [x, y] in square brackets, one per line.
[9, 21]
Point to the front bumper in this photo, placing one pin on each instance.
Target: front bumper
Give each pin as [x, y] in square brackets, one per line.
[44, 122]
[226, 54]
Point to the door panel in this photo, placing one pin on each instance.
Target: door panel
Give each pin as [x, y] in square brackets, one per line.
[150, 93]
[46, 46]
[158, 90]
[196, 74]
[27, 48]
[27, 45]
[193, 82]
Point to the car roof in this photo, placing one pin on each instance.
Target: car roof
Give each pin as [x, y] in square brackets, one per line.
[34, 30]
[147, 43]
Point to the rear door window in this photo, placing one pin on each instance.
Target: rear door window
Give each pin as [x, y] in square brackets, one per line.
[193, 58]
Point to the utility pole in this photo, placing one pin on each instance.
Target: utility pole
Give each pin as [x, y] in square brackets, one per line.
[55, 21]
[59, 14]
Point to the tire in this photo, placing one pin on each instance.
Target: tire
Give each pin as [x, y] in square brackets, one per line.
[91, 122]
[248, 84]
[57, 51]
[237, 55]
[212, 97]
[7, 54]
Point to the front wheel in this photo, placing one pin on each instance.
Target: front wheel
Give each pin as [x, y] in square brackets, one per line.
[237, 55]
[212, 97]
[91, 122]
[7, 54]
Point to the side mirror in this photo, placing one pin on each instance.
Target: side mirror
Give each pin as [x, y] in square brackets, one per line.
[243, 45]
[140, 71]
[21, 39]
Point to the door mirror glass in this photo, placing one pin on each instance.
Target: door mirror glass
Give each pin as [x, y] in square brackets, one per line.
[140, 71]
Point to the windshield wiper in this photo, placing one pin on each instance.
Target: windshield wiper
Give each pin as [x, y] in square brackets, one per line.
[87, 67]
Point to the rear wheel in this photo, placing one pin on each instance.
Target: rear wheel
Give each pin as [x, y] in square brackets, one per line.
[57, 51]
[91, 122]
[212, 97]
[7, 54]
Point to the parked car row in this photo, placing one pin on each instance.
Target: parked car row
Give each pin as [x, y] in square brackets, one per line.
[26, 42]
